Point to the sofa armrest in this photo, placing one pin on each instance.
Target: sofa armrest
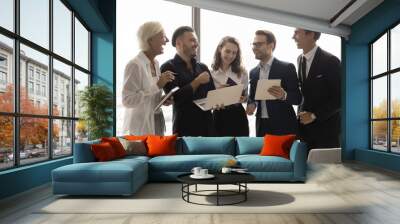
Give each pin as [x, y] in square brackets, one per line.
[83, 152]
[298, 155]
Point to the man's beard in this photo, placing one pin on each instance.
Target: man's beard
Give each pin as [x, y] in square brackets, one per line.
[190, 52]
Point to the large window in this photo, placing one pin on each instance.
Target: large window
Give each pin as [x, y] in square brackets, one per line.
[211, 34]
[129, 17]
[213, 26]
[40, 83]
[385, 95]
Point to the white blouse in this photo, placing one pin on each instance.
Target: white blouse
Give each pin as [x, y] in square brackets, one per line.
[220, 78]
[140, 95]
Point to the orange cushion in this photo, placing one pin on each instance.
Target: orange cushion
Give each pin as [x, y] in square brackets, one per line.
[277, 145]
[161, 145]
[103, 151]
[116, 145]
[136, 137]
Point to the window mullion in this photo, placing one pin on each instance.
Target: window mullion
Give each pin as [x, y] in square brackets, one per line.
[73, 82]
[50, 81]
[16, 83]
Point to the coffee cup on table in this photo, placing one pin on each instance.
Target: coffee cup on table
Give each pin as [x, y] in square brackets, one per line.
[203, 172]
[226, 170]
[196, 170]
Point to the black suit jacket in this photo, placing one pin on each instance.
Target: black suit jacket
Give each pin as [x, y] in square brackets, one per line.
[321, 92]
[282, 116]
[188, 118]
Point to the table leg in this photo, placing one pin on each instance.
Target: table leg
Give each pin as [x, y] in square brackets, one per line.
[245, 191]
[217, 194]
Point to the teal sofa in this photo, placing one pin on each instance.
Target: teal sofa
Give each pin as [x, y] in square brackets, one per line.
[125, 176]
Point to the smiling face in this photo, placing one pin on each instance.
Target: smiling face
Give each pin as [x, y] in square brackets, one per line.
[188, 44]
[229, 53]
[261, 48]
[157, 43]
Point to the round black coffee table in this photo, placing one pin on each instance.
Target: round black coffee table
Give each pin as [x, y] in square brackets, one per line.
[238, 179]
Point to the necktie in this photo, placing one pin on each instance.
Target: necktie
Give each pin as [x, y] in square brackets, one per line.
[303, 69]
[303, 76]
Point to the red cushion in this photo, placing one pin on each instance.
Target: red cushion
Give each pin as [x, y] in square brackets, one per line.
[103, 151]
[161, 145]
[116, 145]
[277, 145]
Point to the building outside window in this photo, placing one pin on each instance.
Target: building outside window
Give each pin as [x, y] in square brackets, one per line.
[3, 72]
[385, 94]
[43, 90]
[3, 77]
[30, 72]
[30, 87]
[34, 76]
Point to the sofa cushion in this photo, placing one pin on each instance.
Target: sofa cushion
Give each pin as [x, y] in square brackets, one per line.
[185, 163]
[134, 147]
[277, 145]
[112, 171]
[206, 145]
[257, 163]
[132, 157]
[161, 145]
[249, 145]
[103, 151]
[116, 145]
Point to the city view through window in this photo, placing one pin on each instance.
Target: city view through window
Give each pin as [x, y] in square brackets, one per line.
[385, 94]
[46, 92]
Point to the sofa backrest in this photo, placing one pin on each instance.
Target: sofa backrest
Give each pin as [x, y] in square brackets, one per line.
[249, 145]
[83, 152]
[190, 146]
[206, 145]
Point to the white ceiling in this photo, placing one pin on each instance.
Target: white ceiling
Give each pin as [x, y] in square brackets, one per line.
[309, 14]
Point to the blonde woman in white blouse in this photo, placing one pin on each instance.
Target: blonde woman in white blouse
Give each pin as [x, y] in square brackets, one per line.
[143, 83]
[227, 71]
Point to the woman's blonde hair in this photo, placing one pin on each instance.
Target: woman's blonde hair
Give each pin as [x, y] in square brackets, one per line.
[147, 31]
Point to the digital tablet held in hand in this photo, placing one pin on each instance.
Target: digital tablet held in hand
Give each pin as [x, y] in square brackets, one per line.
[166, 97]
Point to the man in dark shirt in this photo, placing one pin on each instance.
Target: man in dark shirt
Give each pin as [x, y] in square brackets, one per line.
[193, 79]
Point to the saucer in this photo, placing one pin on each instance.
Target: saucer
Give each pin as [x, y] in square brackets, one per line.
[208, 176]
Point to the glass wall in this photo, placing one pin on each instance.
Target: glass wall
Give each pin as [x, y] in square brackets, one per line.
[38, 124]
[129, 17]
[213, 26]
[385, 94]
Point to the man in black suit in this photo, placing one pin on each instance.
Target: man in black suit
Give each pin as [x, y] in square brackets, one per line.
[275, 117]
[193, 79]
[319, 75]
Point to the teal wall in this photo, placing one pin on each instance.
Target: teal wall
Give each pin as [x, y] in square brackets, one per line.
[357, 101]
[24, 178]
[99, 16]
[103, 53]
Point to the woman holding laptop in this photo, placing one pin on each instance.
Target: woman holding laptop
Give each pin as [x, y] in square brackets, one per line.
[228, 71]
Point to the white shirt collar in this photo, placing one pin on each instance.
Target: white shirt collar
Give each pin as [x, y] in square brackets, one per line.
[221, 76]
[269, 63]
[310, 55]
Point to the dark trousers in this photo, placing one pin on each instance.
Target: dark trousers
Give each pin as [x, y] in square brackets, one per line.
[274, 127]
[321, 135]
[231, 121]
